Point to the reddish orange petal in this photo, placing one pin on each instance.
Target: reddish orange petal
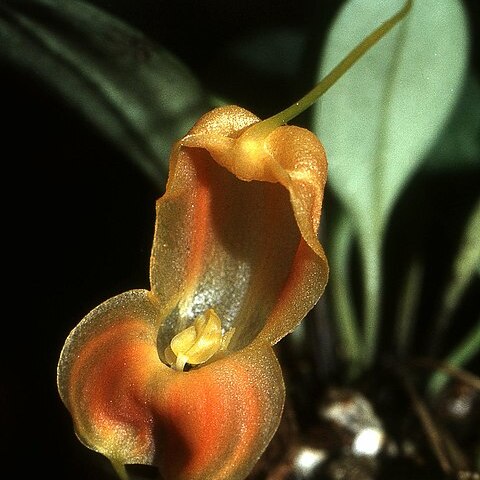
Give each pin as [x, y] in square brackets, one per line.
[213, 422]
[103, 355]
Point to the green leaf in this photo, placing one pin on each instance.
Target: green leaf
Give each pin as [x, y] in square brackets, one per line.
[459, 145]
[468, 258]
[466, 350]
[339, 251]
[465, 268]
[378, 122]
[134, 92]
[381, 118]
[408, 305]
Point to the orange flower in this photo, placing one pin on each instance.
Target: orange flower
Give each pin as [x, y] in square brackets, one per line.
[184, 376]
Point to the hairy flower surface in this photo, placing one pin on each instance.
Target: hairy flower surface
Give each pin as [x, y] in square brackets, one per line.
[183, 376]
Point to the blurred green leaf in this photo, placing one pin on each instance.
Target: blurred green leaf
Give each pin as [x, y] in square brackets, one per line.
[378, 122]
[339, 251]
[135, 92]
[381, 118]
[468, 257]
[459, 144]
[459, 357]
[408, 305]
[464, 270]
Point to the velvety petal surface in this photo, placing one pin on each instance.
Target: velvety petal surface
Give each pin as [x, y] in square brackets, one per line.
[212, 422]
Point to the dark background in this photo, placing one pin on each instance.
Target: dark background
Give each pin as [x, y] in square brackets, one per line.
[78, 215]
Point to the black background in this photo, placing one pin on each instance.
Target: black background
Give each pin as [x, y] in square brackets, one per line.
[78, 216]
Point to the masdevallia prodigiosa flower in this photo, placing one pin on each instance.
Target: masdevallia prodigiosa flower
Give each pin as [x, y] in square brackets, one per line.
[183, 376]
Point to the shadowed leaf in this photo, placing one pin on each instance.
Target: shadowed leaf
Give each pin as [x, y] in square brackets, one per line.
[134, 92]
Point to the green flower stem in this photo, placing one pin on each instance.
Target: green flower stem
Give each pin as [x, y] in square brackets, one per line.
[338, 71]
[120, 470]
[459, 357]
[341, 236]
[408, 306]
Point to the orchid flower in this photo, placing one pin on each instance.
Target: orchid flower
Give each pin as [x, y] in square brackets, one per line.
[183, 376]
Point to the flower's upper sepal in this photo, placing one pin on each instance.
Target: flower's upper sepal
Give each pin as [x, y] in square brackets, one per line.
[232, 241]
[247, 247]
